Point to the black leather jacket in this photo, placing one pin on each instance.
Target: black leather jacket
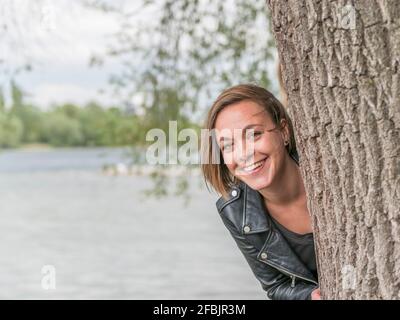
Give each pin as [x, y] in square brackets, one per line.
[281, 273]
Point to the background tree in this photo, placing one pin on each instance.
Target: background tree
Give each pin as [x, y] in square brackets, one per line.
[30, 116]
[11, 128]
[341, 70]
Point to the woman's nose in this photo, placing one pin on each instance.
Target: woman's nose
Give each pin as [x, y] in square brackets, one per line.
[245, 156]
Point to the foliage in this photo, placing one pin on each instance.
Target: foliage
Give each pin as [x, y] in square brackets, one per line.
[11, 131]
[70, 125]
[60, 130]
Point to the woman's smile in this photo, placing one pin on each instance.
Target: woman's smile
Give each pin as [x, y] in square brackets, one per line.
[252, 169]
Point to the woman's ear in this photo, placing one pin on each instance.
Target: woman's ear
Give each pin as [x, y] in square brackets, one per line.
[285, 131]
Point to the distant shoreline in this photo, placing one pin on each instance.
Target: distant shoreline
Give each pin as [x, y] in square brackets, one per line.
[44, 146]
[34, 146]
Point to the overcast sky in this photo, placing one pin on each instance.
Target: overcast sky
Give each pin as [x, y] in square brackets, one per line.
[58, 37]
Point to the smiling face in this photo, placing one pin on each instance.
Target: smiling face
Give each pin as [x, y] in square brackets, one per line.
[252, 150]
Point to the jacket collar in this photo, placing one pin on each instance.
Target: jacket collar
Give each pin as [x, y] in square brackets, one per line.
[254, 218]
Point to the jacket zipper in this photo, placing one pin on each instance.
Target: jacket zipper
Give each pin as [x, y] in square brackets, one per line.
[291, 275]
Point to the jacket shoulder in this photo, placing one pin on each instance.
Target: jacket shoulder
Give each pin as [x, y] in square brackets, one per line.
[231, 209]
[233, 195]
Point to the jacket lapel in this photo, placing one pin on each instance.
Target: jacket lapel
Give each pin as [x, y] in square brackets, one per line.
[256, 219]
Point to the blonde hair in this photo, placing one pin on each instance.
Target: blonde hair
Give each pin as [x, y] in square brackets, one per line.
[217, 174]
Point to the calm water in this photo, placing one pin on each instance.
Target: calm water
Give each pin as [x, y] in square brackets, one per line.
[105, 239]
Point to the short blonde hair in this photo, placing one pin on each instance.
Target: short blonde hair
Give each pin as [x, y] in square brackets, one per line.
[217, 174]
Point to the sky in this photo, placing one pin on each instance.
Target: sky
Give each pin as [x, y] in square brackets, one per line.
[59, 38]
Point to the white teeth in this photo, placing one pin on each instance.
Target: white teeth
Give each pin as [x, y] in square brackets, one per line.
[253, 166]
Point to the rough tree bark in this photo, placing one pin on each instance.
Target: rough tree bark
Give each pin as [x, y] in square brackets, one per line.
[341, 69]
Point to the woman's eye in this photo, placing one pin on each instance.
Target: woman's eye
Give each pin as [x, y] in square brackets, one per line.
[253, 134]
[227, 148]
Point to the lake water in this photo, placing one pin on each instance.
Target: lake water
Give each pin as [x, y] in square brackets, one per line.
[101, 238]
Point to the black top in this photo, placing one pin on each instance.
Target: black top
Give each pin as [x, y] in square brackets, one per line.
[302, 245]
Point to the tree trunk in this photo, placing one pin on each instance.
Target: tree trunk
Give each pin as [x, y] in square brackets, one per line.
[341, 70]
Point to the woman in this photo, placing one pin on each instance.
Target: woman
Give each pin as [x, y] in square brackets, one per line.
[263, 202]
